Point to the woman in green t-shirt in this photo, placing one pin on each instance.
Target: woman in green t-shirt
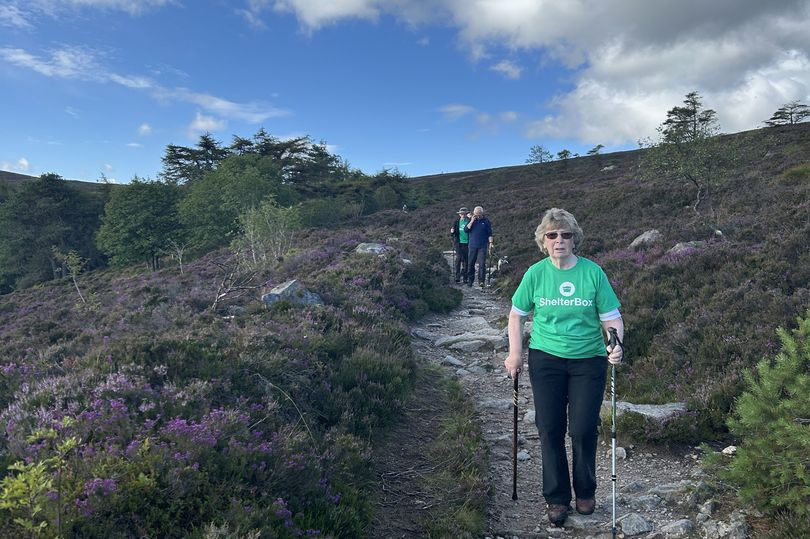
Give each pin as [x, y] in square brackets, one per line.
[573, 307]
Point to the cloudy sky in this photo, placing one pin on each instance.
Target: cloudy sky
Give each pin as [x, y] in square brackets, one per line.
[100, 87]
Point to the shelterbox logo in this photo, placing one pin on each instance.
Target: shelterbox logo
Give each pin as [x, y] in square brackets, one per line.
[567, 289]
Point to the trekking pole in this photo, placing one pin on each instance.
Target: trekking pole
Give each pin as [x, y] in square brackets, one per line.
[485, 280]
[514, 437]
[453, 269]
[614, 340]
[489, 265]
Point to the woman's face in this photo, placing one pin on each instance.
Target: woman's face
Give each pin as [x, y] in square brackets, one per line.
[559, 243]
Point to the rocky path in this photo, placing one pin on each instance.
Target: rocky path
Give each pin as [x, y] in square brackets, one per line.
[661, 493]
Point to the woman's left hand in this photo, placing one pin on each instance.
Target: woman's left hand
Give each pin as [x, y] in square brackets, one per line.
[615, 354]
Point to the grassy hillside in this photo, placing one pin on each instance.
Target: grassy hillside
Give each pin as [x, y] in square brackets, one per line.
[696, 319]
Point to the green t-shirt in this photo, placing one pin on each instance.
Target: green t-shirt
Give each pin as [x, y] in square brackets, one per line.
[567, 304]
[463, 235]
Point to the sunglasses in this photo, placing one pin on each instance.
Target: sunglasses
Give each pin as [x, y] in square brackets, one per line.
[565, 235]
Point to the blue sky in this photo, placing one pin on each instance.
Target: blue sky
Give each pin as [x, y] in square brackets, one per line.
[92, 87]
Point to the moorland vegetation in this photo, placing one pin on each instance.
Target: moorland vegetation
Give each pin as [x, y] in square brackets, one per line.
[147, 390]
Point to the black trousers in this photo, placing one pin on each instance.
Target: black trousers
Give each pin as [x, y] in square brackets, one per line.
[477, 255]
[461, 262]
[567, 392]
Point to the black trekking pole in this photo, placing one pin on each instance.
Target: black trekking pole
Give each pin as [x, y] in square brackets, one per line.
[515, 437]
[614, 340]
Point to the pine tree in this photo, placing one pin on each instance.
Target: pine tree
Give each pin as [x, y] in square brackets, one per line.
[789, 114]
[772, 465]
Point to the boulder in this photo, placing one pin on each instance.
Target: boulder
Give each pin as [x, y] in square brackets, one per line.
[651, 237]
[371, 248]
[293, 292]
[686, 247]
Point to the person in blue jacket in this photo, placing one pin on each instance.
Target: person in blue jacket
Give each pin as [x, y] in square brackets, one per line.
[479, 232]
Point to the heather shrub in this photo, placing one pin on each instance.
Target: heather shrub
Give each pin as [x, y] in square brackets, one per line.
[798, 174]
[373, 386]
[184, 421]
[681, 428]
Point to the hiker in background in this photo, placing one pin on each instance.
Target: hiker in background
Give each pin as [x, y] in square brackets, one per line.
[480, 232]
[460, 240]
[573, 307]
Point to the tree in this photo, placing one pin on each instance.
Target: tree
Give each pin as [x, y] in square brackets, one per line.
[182, 165]
[140, 221]
[772, 417]
[562, 155]
[689, 150]
[789, 114]
[211, 209]
[596, 150]
[74, 263]
[268, 233]
[538, 154]
[39, 215]
[689, 123]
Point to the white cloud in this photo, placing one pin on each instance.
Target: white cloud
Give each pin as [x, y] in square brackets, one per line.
[14, 17]
[455, 111]
[134, 145]
[68, 62]
[133, 7]
[249, 112]
[22, 165]
[252, 13]
[483, 123]
[205, 124]
[144, 129]
[314, 14]
[508, 69]
[82, 63]
[628, 62]
[70, 111]
[136, 82]
[108, 167]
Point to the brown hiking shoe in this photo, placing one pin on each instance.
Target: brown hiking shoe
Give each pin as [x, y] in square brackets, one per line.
[557, 513]
[585, 506]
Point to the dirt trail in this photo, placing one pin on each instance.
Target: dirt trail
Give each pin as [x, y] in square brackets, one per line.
[652, 483]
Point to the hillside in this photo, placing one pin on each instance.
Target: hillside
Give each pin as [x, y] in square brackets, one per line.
[13, 177]
[697, 318]
[147, 404]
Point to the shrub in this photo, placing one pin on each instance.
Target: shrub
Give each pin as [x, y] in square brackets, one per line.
[772, 465]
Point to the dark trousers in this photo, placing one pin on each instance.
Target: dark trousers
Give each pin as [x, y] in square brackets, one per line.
[461, 262]
[567, 391]
[478, 254]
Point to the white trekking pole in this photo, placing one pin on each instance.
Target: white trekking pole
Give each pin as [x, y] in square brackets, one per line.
[614, 340]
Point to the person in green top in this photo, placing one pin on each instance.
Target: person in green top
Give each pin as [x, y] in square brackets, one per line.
[460, 240]
[573, 307]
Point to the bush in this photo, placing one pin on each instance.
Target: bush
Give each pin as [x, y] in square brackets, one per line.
[772, 465]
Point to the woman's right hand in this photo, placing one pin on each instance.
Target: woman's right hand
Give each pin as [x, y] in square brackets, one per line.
[513, 364]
